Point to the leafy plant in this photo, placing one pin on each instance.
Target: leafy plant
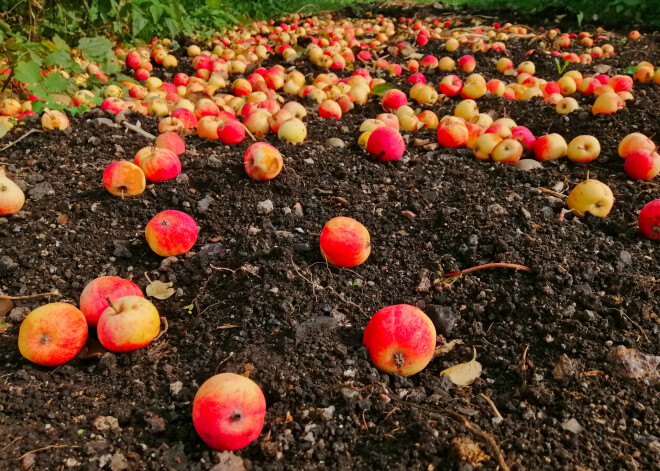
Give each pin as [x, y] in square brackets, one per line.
[561, 68]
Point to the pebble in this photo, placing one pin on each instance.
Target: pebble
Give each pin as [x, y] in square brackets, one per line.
[176, 387]
[547, 212]
[168, 262]
[121, 249]
[444, 319]
[204, 203]
[182, 179]
[335, 142]
[7, 265]
[40, 190]
[265, 207]
[18, 314]
[572, 425]
[526, 165]
[625, 257]
[105, 422]
[298, 210]
[309, 161]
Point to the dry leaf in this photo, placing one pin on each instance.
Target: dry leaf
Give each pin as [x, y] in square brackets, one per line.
[228, 326]
[159, 290]
[603, 68]
[464, 374]
[446, 348]
[468, 451]
[5, 306]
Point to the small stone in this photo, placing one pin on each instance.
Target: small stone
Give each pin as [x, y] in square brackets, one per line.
[497, 209]
[298, 210]
[328, 412]
[7, 265]
[18, 314]
[155, 423]
[335, 142]
[625, 257]
[176, 387]
[253, 230]
[118, 462]
[630, 363]
[444, 319]
[95, 141]
[204, 203]
[526, 165]
[71, 462]
[547, 212]
[208, 252]
[121, 249]
[349, 393]
[572, 425]
[473, 240]
[105, 423]
[309, 437]
[309, 161]
[265, 207]
[229, 462]
[40, 190]
[167, 263]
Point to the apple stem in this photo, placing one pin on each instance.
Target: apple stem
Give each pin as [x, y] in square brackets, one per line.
[107, 298]
[515, 266]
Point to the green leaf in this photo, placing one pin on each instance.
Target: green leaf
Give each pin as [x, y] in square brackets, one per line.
[28, 72]
[630, 70]
[38, 106]
[63, 59]
[61, 43]
[95, 48]
[580, 17]
[382, 88]
[55, 83]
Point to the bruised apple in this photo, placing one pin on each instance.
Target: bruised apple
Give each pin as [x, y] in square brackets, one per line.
[262, 161]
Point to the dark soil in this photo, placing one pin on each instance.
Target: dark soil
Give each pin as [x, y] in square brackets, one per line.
[296, 324]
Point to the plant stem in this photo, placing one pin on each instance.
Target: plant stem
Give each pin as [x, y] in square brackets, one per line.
[107, 298]
[490, 265]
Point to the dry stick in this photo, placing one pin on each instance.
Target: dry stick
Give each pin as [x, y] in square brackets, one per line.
[30, 296]
[162, 332]
[44, 448]
[138, 130]
[515, 266]
[472, 427]
[31, 131]
[249, 133]
[552, 192]
[492, 406]
[10, 444]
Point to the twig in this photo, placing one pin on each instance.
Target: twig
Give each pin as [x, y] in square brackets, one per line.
[249, 133]
[31, 131]
[515, 266]
[231, 354]
[552, 192]
[492, 406]
[636, 325]
[162, 332]
[472, 427]
[30, 296]
[45, 448]
[10, 444]
[138, 130]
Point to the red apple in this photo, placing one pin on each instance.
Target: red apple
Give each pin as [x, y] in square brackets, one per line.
[642, 165]
[52, 334]
[634, 142]
[171, 141]
[400, 339]
[550, 147]
[170, 233]
[649, 220]
[93, 299]
[231, 131]
[386, 144]
[393, 100]
[345, 242]
[158, 164]
[124, 179]
[262, 161]
[128, 323]
[228, 411]
[451, 134]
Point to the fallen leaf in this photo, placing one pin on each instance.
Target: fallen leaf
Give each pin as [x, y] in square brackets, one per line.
[603, 68]
[464, 374]
[446, 348]
[5, 306]
[159, 290]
